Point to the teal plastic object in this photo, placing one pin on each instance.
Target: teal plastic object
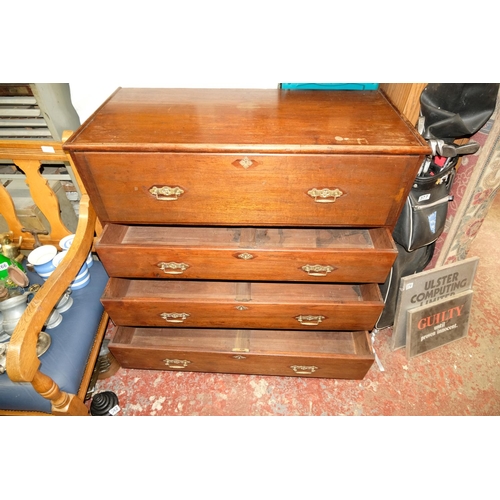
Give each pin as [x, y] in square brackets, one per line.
[329, 86]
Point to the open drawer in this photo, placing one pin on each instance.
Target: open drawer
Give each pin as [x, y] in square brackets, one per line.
[253, 254]
[319, 354]
[213, 304]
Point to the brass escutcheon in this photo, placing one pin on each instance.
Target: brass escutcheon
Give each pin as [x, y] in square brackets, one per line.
[325, 195]
[246, 162]
[245, 256]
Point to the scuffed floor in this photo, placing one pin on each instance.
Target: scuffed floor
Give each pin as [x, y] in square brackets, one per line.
[461, 378]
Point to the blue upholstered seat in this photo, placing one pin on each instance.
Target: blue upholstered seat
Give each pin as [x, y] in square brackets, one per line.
[67, 356]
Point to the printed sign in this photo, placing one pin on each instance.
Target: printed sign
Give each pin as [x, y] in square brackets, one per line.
[426, 287]
[438, 324]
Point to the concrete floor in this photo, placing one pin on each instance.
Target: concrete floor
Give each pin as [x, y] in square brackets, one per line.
[461, 378]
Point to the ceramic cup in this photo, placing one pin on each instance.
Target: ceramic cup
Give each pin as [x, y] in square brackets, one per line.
[65, 302]
[82, 279]
[41, 260]
[66, 242]
[89, 261]
[53, 320]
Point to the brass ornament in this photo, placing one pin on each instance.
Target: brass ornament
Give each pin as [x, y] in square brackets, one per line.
[325, 195]
[245, 256]
[310, 320]
[175, 317]
[166, 193]
[246, 162]
[304, 370]
[176, 363]
[317, 269]
[173, 267]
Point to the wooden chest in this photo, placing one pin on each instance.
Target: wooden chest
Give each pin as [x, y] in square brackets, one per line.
[246, 231]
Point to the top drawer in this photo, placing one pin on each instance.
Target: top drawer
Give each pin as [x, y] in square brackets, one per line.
[248, 189]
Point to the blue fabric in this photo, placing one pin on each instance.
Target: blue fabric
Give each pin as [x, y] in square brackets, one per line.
[67, 356]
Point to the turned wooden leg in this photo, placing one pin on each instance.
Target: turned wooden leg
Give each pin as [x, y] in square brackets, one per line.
[62, 402]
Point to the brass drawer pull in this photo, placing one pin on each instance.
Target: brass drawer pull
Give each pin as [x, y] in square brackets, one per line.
[317, 269]
[178, 364]
[173, 267]
[310, 320]
[304, 370]
[174, 317]
[325, 195]
[166, 193]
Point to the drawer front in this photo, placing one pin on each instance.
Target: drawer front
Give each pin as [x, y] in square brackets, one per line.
[242, 305]
[315, 255]
[281, 353]
[226, 189]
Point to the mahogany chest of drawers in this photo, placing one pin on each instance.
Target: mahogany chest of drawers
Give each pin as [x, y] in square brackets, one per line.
[246, 231]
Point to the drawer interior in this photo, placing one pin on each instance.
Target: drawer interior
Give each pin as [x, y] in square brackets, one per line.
[272, 342]
[248, 253]
[215, 291]
[247, 237]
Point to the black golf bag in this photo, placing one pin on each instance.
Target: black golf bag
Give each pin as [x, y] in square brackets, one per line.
[448, 112]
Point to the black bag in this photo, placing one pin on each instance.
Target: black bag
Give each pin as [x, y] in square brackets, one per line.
[453, 110]
[423, 217]
[406, 263]
[448, 111]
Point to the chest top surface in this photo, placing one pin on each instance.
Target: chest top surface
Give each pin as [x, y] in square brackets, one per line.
[253, 120]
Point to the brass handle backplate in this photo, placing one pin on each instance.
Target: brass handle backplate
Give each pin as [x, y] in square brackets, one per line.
[174, 317]
[304, 370]
[166, 193]
[317, 269]
[325, 195]
[172, 267]
[310, 320]
[178, 364]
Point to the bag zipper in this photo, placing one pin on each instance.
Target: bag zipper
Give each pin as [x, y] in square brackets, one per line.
[437, 202]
